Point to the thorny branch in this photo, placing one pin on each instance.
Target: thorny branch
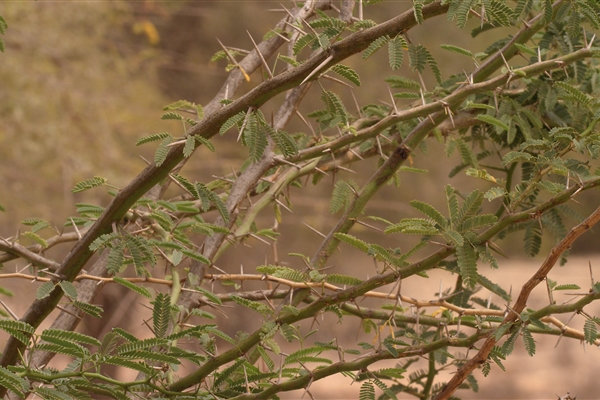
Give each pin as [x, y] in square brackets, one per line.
[320, 157]
[521, 303]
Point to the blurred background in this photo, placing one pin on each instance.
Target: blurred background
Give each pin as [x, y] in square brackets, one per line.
[82, 81]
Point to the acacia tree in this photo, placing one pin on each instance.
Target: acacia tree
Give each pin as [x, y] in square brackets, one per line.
[523, 120]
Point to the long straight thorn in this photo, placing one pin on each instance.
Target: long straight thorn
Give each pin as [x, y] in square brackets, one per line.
[260, 55]
[393, 100]
[314, 230]
[283, 205]
[317, 69]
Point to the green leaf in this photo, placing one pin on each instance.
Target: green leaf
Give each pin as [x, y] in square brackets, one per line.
[478, 221]
[528, 341]
[49, 334]
[352, 241]
[36, 238]
[414, 226]
[494, 193]
[570, 286]
[18, 329]
[467, 154]
[375, 45]
[155, 137]
[227, 372]
[209, 295]
[335, 106]
[407, 95]
[221, 334]
[136, 255]
[478, 106]
[292, 61]
[63, 347]
[533, 238]
[172, 116]
[456, 49]
[396, 48]
[114, 263]
[121, 362]
[152, 356]
[367, 391]
[400, 82]
[454, 237]
[161, 314]
[488, 119]
[44, 290]
[89, 210]
[471, 205]
[125, 335]
[590, 331]
[547, 11]
[232, 121]
[516, 156]
[89, 309]
[52, 394]
[284, 142]
[480, 174]
[387, 391]
[467, 264]
[3, 26]
[302, 42]
[135, 345]
[139, 289]
[342, 195]
[347, 73]
[525, 49]
[191, 188]
[162, 150]
[346, 280]
[89, 184]
[69, 289]
[305, 354]
[287, 273]
[412, 169]
[13, 382]
[460, 11]
[255, 139]
[196, 256]
[34, 222]
[266, 358]
[190, 145]
[103, 241]
[431, 212]
[417, 57]
[180, 104]
[254, 305]
[205, 142]
[220, 206]
[452, 202]
[16, 325]
[572, 93]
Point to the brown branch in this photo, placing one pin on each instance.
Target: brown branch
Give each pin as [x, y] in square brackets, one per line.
[36, 248]
[519, 306]
[18, 250]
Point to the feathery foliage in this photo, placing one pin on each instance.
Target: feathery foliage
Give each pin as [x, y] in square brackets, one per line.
[518, 136]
